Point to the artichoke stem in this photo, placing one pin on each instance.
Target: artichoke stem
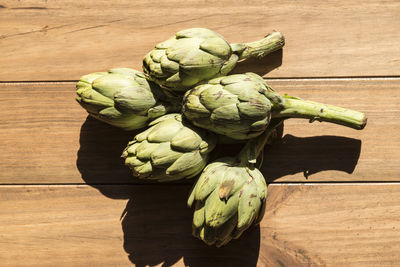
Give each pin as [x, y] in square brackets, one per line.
[298, 108]
[250, 152]
[261, 48]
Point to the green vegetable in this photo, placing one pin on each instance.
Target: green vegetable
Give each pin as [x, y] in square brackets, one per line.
[230, 195]
[171, 149]
[198, 54]
[123, 98]
[241, 106]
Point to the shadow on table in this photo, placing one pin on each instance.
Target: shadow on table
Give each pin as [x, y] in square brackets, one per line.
[99, 156]
[157, 229]
[310, 155]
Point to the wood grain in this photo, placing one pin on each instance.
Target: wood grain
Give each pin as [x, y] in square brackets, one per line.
[47, 137]
[63, 40]
[354, 225]
[66, 199]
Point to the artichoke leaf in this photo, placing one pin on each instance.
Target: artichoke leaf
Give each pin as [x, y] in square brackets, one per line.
[233, 180]
[140, 137]
[216, 46]
[198, 216]
[186, 140]
[169, 65]
[215, 97]
[134, 99]
[249, 205]
[145, 169]
[164, 156]
[218, 211]
[194, 108]
[164, 132]
[157, 54]
[185, 163]
[209, 180]
[145, 149]
[226, 113]
[108, 85]
[182, 48]
[254, 110]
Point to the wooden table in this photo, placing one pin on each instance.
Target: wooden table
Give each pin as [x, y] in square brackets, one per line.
[67, 200]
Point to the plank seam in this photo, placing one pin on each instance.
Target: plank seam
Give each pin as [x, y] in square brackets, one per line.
[189, 184]
[333, 78]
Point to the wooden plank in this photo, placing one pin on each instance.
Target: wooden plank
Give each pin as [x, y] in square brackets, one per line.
[354, 225]
[63, 40]
[46, 138]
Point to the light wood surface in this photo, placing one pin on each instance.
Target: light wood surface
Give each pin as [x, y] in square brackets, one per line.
[47, 137]
[305, 225]
[62, 40]
[66, 199]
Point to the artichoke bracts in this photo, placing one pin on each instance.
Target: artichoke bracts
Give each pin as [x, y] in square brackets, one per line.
[240, 106]
[123, 98]
[198, 54]
[170, 149]
[237, 106]
[230, 195]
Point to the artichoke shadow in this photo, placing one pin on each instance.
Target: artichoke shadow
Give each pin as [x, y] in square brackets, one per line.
[157, 230]
[99, 156]
[310, 155]
[156, 221]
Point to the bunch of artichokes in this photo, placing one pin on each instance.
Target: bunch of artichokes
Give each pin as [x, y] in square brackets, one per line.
[185, 104]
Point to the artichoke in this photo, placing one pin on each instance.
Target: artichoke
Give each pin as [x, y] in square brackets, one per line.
[229, 199]
[123, 98]
[198, 54]
[238, 106]
[241, 106]
[170, 149]
[230, 195]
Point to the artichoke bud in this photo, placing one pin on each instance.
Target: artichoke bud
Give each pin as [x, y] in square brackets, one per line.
[237, 106]
[229, 197]
[230, 194]
[196, 55]
[122, 97]
[170, 149]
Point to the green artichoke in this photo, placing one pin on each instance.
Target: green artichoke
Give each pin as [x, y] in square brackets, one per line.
[123, 98]
[198, 54]
[241, 106]
[229, 199]
[170, 149]
[230, 194]
[238, 106]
